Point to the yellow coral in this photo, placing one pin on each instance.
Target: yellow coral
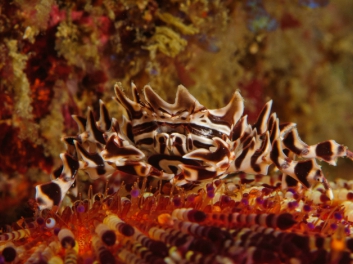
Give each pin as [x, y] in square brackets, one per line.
[51, 126]
[177, 22]
[70, 45]
[43, 9]
[20, 83]
[166, 41]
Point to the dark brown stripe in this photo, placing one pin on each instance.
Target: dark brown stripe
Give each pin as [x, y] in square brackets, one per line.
[270, 122]
[290, 181]
[269, 220]
[145, 141]
[319, 242]
[129, 132]
[105, 256]
[286, 152]
[219, 120]
[274, 131]
[162, 145]
[136, 95]
[98, 135]
[215, 156]
[178, 144]
[237, 130]
[284, 126]
[9, 254]
[275, 153]
[113, 150]
[302, 169]
[128, 168]
[57, 172]
[144, 128]
[106, 118]
[289, 142]
[127, 105]
[285, 221]
[202, 174]
[155, 159]
[257, 154]
[199, 144]
[95, 157]
[257, 219]
[174, 127]
[53, 191]
[247, 140]
[254, 166]
[68, 242]
[260, 119]
[324, 150]
[70, 140]
[73, 165]
[82, 121]
[242, 156]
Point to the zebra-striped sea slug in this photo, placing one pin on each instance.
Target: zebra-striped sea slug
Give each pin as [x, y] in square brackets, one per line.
[217, 220]
[186, 142]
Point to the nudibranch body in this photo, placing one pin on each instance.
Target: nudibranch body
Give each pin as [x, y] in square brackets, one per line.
[186, 142]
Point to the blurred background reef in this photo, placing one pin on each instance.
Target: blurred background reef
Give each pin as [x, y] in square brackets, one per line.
[59, 57]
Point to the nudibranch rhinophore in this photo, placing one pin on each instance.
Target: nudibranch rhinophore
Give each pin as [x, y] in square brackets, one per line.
[186, 142]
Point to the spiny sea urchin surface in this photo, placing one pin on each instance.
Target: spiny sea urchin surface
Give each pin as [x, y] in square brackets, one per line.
[237, 220]
[182, 212]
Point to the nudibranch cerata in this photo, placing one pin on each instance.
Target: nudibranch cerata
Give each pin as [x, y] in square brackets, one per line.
[186, 142]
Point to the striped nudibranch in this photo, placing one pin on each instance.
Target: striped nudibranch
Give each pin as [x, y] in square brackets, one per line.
[186, 142]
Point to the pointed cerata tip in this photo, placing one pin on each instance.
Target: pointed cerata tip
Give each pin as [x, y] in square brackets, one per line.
[270, 103]
[133, 86]
[153, 98]
[181, 87]
[349, 154]
[148, 88]
[329, 194]
[118, 88]
[232, 112]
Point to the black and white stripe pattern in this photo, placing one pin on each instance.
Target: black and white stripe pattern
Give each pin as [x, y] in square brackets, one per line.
[185, 142]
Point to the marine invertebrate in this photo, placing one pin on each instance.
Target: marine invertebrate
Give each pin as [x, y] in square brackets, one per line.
[189, 227]
[186, 142]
